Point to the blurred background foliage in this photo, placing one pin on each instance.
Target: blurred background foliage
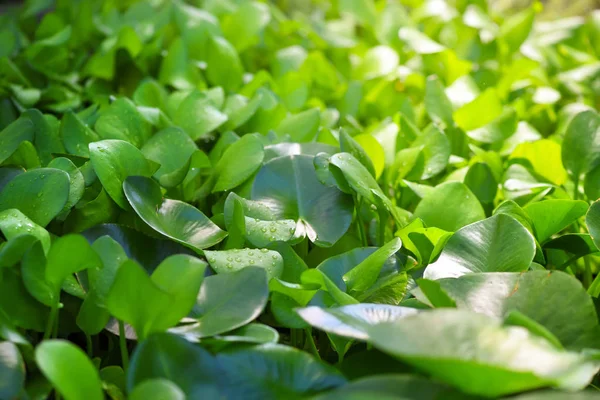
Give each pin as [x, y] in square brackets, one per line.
[553, 9]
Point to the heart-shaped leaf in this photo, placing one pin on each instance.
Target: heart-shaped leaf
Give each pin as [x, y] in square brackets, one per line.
[193, 369]
[495, 294]
[275, 371]
[171, 148]
[234, 260]
[226, 302]
[69, 370]
[496, 244]
[115, 160]
[174, 219]
[480, 356]
[581, 144]
[290, 188]
[40, 194]
[449, 206]
[552, 216]
[351, 320]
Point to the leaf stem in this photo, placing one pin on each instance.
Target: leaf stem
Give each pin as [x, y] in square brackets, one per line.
[89, 345]
[361, 226]
[575, 187]
[123, 346]
[51, 322]
[382, 224]
[587, 273]
[311, 343]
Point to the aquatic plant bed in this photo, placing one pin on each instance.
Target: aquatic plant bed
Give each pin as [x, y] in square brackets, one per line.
[350, 199]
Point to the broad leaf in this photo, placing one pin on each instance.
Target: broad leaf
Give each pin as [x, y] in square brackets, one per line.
[69, 370]
[226, 302]
[290, 188]
[496, 244]
[40, 194]
[174, 219]
[274, 371]
[480, 356]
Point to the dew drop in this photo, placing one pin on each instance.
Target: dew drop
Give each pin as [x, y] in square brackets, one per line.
[264, 250]
[251, 262]
[273, 230]
[238, 259]
[272, 238]
[273, 263]
[39, 194]
[229, 265]
[264, 230]
[229, 258]
[212, 260]
[250, 253]
[42, 176]
[274, 257]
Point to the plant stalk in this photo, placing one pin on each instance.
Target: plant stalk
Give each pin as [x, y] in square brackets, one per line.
[311, 343]
[51, 322]
[361, 226]
[123, 346]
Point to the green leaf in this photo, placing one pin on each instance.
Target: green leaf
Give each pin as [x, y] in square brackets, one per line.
[234, 260]
[436, 151]
[545, 157]
[122, 121]
[592, 220]
[69, 370]
[516, 29]
[496, 294]
[69, 254]
[239, 162]
[155, 303]
[364, 275]
[174, 219]
[434, 294]
[76, 181]
[193, 369]
[242, 28]
[552, 216]
[198, 116]
[301, 127]
[496, 244]
[134, 298]
[352, 321]
[437, 104]
[76, 135]
[481, 181]
[581, 144]
[323, 214]
[481, 111]
[480, 356]
[147, 251]
[14, 223]
[157, 388]
[449, 206]
[275, 371]
[115, 160]
[220, 53]
[12, 371]
[226, 302]
[349, 145]
[251, 333]
[171, 148]
[19, 131]
[40, 194]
